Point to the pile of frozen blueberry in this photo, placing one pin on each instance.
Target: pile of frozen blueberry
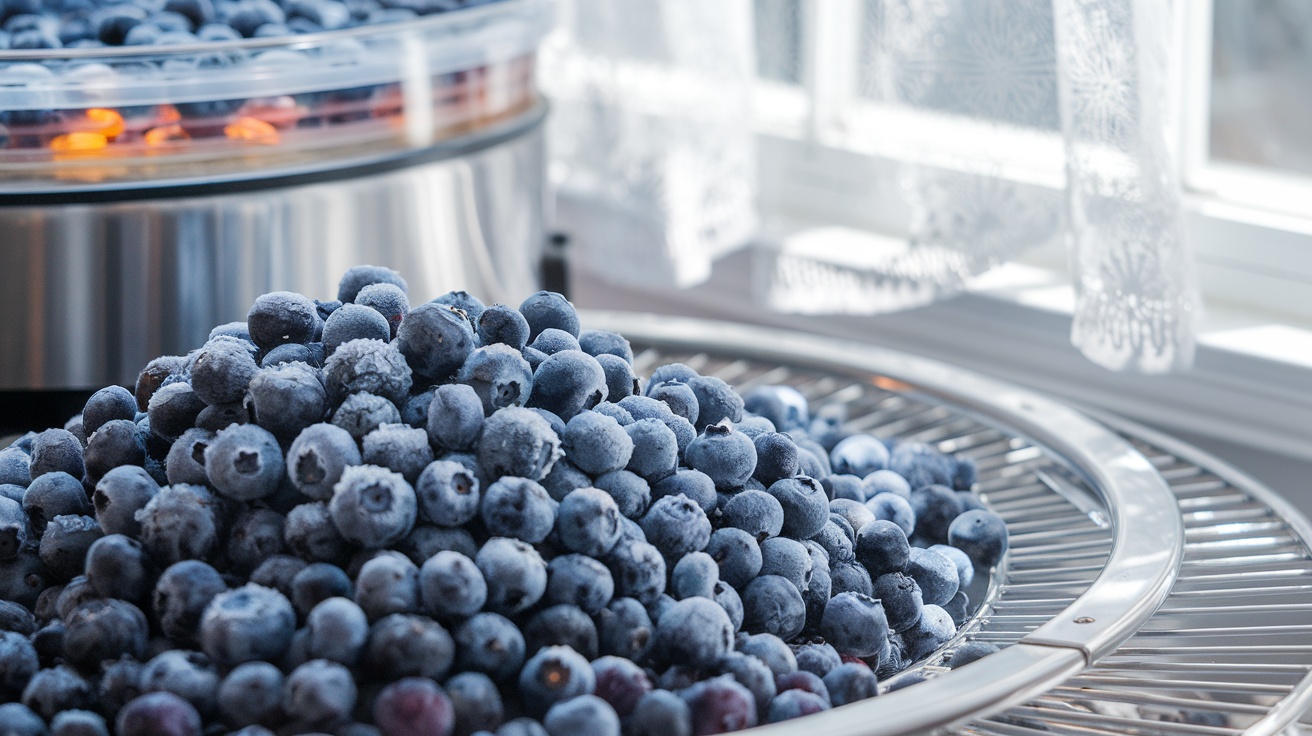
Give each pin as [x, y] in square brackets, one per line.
[53, 24]
[356, 517]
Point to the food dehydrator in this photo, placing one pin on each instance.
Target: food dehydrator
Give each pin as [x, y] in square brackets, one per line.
[149, 193]
[1149, 588]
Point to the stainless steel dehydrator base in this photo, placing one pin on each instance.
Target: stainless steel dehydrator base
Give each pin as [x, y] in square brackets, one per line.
[91, 291]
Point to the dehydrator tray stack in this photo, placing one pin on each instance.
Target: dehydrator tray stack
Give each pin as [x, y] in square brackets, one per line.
[208, 111]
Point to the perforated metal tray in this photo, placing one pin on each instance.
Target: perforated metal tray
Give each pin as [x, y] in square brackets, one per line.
[1148, 589]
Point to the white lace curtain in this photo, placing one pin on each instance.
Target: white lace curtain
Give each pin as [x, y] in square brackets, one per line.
[652, 126]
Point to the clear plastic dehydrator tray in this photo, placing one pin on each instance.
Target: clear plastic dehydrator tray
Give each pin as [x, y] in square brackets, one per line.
[1148, 589]
[102, 117]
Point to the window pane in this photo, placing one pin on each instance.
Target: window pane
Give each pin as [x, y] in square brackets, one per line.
[779, 40]
[1261, 106]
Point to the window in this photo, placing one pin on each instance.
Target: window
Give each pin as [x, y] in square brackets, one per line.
[828, 144]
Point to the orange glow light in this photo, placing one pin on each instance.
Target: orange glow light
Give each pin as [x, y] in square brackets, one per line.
[253, 130]
[72, 142]
[106, 122]
[166, 134]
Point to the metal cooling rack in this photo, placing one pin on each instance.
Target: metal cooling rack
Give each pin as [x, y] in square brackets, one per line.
[1228, 651]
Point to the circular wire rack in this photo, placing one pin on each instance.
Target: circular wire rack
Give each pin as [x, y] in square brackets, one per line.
[1148, 589]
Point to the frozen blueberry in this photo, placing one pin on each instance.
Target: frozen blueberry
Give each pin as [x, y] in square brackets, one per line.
[855, 625]
[181, 595]
[373, 507]
[354, 322]
[117, 567]
[319, 692]
[805, 506]
[791, 704]
[756, 512]
[387, 583]
[476, 701]
[499, 377]
[935, 507]
[451, 586]
[624, 629]
[447, 493]
[399, 448]
[933, 630]
[491, 644]
[885, 481]
[358, 277]
[389, 300]
[292, 353]
[53, 494]
[638, 569]
[817, 658]
[676, 526]
[78, 723]
[894, 508]
[660, 713]
[455, 417]
[921, 465]
[579, 581]
[189, 675]
[691, 483]
[588, 522]
[965, 567]
[57, 689]
[217, 416]
[596, 443]
[776, 457]
[104, 629]
[655, 449]
[436, 340]
[724, 454]
[631, 493]
[277, 573]
[964, 472]
[720, 705]
[568, 382]
[515, 573]
[561, 625]
[850, 682]
[784, 406]
[696, 574]
[500, 324]
[15, 467]
[185, 462]
[337, 630]
[222, 369]
[902, 600]
[737, 554]
[551, 341]
[246, 624]
[620, 380]
[854, 513]
[117, 442]
[678, 396]
[427, 540]
[118, 497]
[971, 652]
[287, 398]
[789, 559]
[695, 631]
[518, 508]
[56, 450]
[773, 605]
[317, 458]
[935, 574]
[859, 455]
[547, 309]
[371, 366]
[362, 413]
[554, 674]
[18, 662]
[982, 535]
[178, 523]
[65, 542]
[403, 645]
[251, 694]
[244, 462]
[586, 715]
[471, 305]
[518, 442]
[112, 402]
[281, 317]
[310, 533]
[158, 714]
